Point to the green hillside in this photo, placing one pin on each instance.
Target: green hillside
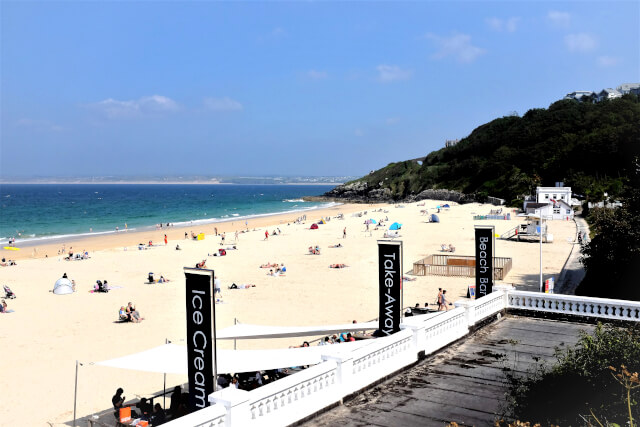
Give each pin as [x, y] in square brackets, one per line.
[591, 147]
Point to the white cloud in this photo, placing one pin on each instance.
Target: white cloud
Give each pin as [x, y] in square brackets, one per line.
[509, 25]
[580, 42]
[559, 19]
[222, 104]
[142, 107]
[317, 75]
[457, 46]
[390, 73]
[40, 125]
[608, 61]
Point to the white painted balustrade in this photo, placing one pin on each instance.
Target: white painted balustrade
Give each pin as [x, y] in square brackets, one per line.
[302, 394]
[574, 305]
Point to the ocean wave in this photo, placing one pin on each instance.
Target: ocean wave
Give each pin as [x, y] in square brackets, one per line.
[293, 201]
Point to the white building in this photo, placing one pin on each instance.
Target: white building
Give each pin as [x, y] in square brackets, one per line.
[551, 203]
[626, 88]
[608, 93]
[552, 210]
[579, 94]
[548, 194]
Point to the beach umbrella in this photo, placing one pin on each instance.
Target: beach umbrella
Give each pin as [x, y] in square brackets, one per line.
[373, 221]
[434, 218]
[395, 226]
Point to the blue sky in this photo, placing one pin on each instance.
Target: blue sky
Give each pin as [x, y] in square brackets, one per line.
[285, 88]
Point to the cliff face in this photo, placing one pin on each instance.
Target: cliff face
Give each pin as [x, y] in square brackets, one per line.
[359, 191]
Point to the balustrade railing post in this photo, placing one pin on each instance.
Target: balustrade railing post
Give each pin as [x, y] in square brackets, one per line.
[469, 310]
[344, 374]
[236, 403]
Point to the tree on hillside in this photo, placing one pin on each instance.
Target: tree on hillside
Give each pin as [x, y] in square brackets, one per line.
[612, 257]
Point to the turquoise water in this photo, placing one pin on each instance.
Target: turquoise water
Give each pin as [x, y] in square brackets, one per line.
[38, 212]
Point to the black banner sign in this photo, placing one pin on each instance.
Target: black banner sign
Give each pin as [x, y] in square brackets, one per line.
[484, 261]
[200, 343]
[390, 286]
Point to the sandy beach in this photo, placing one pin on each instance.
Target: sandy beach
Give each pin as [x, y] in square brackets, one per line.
[47, 333]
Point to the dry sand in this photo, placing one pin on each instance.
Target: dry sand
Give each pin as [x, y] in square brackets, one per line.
[47, 333]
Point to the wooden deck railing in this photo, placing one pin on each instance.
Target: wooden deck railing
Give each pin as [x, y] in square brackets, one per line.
[459, 265]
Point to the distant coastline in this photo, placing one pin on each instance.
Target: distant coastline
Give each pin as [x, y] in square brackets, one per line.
[161, 182]
[180, 180]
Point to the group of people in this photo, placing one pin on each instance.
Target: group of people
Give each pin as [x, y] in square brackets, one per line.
[100, 286]
[151, 279]
[8, 263]
[155, 414]
[314, 250]
[441, 300]
[130, 314]
[448, 248]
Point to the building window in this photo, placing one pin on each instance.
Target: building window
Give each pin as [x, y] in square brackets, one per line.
[555, 197]
[546, 197]
[556, 211]
[568, 211]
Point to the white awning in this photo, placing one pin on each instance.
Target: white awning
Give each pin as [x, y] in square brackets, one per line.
[247, 331]
[172, 358]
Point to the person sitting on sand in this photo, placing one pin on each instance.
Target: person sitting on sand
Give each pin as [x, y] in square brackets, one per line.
[201, 264]
[134, 315]
[178, 248]
[335, 246]
[452, 248]
[122, 314]
[338, 266]
[243, 286]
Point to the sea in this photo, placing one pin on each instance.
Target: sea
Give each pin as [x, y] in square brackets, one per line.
[42, 213]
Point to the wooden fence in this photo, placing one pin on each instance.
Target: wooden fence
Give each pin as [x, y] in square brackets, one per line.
[458, 265]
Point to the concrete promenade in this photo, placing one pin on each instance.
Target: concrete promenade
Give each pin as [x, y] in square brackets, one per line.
[464, 383]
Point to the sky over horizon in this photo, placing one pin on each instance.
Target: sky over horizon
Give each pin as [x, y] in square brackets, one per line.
[285, 88]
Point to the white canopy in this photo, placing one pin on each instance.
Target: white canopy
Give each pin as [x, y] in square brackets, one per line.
[172, 358]
[247, 331]
[63, 286]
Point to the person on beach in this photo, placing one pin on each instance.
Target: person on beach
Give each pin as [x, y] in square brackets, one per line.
[217, 287]
[186, 236]
[236, 236]
[444, 303]
[222, 239]
[165, 239]
[216, 230]
[134, 315]
[439, 299]
[266, 235]
[344, 233]
[118, 402]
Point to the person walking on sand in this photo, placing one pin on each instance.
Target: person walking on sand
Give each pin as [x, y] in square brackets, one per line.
[236, 236]
[439, 299]
[443, 300]
[165, 239]
[344, 233]
[266, 235]
[216, 230]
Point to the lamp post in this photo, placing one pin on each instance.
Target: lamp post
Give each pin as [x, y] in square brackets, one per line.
[541, 288]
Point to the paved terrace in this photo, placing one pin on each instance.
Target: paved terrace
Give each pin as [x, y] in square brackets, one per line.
[464, 383]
